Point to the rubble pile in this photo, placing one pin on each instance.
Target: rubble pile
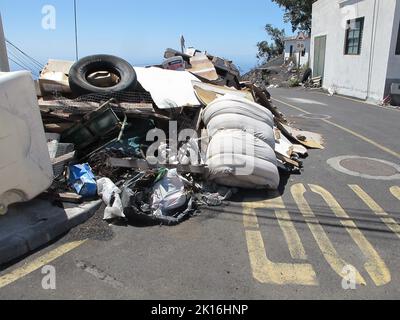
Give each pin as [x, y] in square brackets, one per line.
[280, 73]
[157, 143]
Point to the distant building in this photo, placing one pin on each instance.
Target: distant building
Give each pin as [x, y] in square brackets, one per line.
[298, 45]
[355, 46]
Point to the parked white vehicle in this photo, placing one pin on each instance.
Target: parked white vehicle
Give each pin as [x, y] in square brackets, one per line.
[25, 166]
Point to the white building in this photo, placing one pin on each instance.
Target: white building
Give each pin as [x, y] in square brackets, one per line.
[355, 46]
[298, 45]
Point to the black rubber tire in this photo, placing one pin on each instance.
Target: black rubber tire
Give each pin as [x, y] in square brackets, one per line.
[307, 75]
[84, 67]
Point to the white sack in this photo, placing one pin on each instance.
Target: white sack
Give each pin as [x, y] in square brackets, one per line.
[168, 194]
[231, 104]
[240, 142]
[109, 191]
[229, 170]
[169, 89]
[231, 121]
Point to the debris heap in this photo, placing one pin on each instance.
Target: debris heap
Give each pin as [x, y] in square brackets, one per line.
[157, 143]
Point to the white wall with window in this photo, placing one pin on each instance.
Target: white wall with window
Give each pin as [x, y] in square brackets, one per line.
[360, 50]
[291, 50]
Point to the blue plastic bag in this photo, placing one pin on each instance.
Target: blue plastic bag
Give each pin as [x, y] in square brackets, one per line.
[82, 180]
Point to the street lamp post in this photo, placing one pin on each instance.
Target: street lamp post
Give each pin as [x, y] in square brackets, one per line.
[76, 33]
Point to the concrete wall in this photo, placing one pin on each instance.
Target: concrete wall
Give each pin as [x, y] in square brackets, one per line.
[362, 76]
[303, 60]
[393, 72]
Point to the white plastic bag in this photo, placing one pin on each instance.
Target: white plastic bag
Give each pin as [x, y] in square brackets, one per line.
[168, 194]
[110, 193]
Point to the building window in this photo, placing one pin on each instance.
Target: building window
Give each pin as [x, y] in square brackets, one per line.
[291, 51]
[354, 34]
[303, 53]
[398, 43]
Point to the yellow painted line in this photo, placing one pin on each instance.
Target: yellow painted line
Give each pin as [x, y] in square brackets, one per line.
[290, 233]
[329, 252]
[375, 266]
[377, 209]
[263, 269]
[250, 220]
[292, 106]
[360, 136]
[395, 192]
[38, 263]
[376, 144]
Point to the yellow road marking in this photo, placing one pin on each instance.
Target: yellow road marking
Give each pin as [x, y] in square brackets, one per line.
[395, 192]
[375, 266]
[360, 136]
[292, 106]
[329, 252]
[264, 270]
[36, 264]
[377, 209]
[290, 233]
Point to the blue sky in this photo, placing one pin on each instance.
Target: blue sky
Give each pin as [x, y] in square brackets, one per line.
[140, 31]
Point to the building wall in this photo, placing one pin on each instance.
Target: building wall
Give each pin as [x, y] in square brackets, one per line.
[362, 76]
[303, 60]
[393, 72]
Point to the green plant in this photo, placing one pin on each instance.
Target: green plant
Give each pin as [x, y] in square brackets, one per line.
[293, 82]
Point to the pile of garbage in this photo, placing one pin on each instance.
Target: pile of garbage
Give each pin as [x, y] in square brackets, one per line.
[154, 143]
[278, 73]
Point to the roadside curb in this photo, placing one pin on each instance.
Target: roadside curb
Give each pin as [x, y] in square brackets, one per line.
[41, 224]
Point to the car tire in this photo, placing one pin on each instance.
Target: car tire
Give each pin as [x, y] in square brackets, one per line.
[307, 75]
[82, 69]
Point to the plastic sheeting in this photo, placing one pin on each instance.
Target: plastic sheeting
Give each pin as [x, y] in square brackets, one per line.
[111, 196]
[82, 180]
[169, 89]
[168, 194]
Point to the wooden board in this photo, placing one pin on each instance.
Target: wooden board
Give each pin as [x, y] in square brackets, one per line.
[207, 93]
[308, 139]
[203, 67]
[63, 197]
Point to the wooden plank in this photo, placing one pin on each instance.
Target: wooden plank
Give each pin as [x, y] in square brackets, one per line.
[308, 139]
[144, 165]
[287, 160]
[68, 197]
[203, 67]
[57, 127]
[63, 159]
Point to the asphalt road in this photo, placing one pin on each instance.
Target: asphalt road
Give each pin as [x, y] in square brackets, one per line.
[327, 230]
